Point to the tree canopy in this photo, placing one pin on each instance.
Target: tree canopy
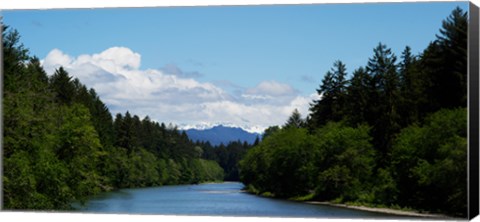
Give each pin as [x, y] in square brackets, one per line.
[62, 145]
[393, 134]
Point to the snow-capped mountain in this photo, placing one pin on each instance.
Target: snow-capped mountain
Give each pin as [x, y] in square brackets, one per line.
[205, 126]
[221, 134]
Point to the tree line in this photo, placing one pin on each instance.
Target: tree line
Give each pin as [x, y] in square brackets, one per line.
[227, 156]
[62, 145]
[392, 134]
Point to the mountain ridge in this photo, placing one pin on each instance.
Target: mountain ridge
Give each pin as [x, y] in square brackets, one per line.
[221, 134]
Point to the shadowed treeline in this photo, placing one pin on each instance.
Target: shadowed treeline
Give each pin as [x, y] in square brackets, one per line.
[61, 144]
[393, 134]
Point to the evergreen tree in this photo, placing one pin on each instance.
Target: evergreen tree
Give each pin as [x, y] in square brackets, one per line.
[331, 105]
[444, 63]
[453, 44]
[430, 159]
[357, 97]
[269, 131]
[384, 96]
[412, 89]
[60, 143]
[14, 57]
[63, 87]
[295, 120]
[411, 166]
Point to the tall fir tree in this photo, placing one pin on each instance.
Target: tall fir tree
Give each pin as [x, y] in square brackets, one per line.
[332, 92]
[295, 120]
[63, 86]
[384, 96]
[357, 97]
[444, 63]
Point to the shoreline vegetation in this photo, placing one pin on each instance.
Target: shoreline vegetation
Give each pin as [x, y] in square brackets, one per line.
[358, 206]
[385, 210]
[62, 144]
[395, 134]
[391, 133]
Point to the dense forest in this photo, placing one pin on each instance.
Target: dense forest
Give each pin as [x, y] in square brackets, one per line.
[61, 144]
[227, 156]
[392, 134]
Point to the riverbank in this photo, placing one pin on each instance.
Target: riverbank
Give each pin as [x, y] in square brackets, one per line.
[217, 182]
[397, 212]
[387, 211]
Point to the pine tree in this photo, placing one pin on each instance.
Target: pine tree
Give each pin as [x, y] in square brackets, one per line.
[445, 63]
[332, 92]
[295, 120]
[412, 87]
[15, 56]
[384, 97]
[63, 87]
[357, 97]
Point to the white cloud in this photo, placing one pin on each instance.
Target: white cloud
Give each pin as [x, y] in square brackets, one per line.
[173, 69]
[271, 88]
[55, 58]
[270, 92]
[116, 76]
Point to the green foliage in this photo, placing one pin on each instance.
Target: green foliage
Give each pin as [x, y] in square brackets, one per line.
[431, 159]
[347, 161]
[208, 170]
[384, 191]
[61, 144]
[19, 184]
[295, 120]
[287, 156]
[307, 197]
[412, 89]
[331, 105]
[142, 170]
[358, 97]
[14, 56]
[291, 163]
[62, 85]
[393, 135]
[384, 99]
[227, 156]
[174, 172]
[269, 131]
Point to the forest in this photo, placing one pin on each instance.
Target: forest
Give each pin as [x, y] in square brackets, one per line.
[62, 145]
[393, 134]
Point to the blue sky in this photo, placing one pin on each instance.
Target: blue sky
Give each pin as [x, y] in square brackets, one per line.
[236, 58]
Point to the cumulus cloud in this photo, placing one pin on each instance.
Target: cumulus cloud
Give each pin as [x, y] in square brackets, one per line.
[270, 92]
[55, 58]
[175, 70]
[171, 95]
[271, 88]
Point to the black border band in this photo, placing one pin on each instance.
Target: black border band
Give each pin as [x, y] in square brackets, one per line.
[473, 104]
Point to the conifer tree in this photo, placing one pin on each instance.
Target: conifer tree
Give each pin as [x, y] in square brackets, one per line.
[295, 120]
[63, 87]
[332, 91]
[445, 63]
[384, 96]
[357, 97]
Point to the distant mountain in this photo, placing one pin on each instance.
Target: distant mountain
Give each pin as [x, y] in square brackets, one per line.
[221, 134]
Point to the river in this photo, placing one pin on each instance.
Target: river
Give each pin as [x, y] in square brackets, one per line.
[215, 199]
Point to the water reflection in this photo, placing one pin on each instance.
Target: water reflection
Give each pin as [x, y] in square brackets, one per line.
[223, 199]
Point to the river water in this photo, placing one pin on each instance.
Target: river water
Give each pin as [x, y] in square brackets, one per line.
[216, 199]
